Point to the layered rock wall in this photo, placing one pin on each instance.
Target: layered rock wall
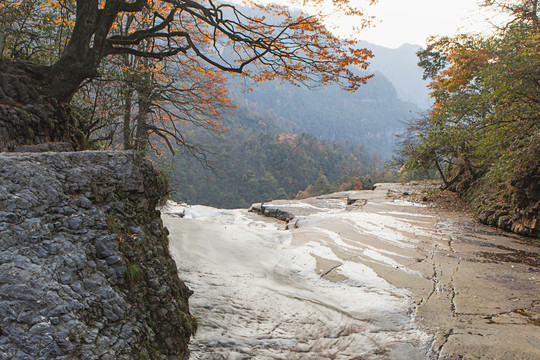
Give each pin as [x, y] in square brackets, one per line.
[517, 209]
[85, 271]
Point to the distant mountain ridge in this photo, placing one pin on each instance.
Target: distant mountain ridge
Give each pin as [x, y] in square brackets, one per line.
[371, 116]
[400, 67]
[283, 137]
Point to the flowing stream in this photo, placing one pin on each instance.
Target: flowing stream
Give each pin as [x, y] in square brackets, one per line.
[262, 291]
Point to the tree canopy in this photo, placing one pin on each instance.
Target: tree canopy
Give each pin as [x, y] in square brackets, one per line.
[296, 48]
[483, 132]
[150, 42]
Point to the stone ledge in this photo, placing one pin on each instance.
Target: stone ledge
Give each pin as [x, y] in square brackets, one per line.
[85, 270]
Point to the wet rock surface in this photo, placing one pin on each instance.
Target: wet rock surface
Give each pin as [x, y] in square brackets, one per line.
[260, 295]
[85, 271]
[362, 274]
[476, 288]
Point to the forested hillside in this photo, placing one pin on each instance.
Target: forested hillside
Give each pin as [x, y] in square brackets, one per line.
[400, 67]
[132, 92]
[258, 160]
[483, 134]
[282, 139]
[371, 116]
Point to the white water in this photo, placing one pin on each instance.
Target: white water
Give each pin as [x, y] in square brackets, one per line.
[259, 293]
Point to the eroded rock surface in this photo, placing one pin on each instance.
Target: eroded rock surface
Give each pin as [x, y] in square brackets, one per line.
[476, 288]
[263, 293]
[85, 271]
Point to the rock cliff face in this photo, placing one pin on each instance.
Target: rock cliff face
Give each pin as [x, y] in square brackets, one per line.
[85, 271]
[516, 210]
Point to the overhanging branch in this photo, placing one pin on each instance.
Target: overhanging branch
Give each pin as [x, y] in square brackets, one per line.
[136, 6]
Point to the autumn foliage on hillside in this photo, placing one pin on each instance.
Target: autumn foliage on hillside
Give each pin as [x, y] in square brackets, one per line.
[483, 133]
[159, 58]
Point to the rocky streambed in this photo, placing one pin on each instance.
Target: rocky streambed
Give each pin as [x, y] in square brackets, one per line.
[356, 275]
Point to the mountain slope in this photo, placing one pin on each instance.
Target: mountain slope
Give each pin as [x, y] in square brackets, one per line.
[399, 66]
[371, 116]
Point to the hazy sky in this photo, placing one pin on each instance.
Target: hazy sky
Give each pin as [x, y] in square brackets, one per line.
[412, 21]
[404, 21]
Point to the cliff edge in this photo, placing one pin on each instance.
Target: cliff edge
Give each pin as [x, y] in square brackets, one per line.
[85, 270]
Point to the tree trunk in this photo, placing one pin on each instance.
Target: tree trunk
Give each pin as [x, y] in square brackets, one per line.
[142, 136]
[27, 114]
[34, 99]
[470, 168]
[2, 42]
[441, 172]
[126, 131]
